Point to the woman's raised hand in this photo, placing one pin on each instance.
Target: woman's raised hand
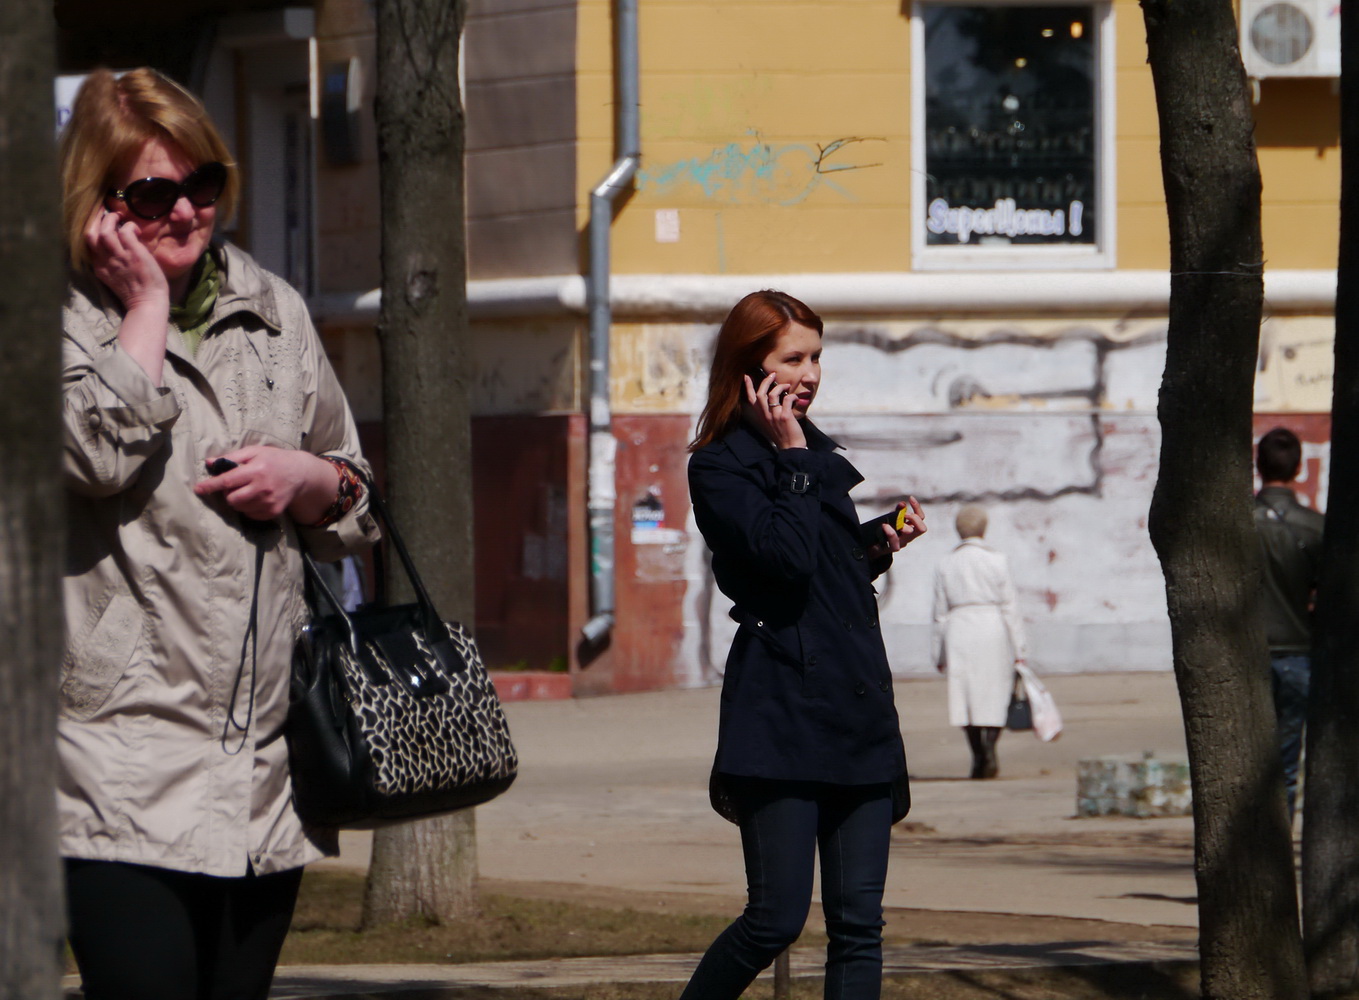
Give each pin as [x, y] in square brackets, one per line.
[769, 406]
[120, 261]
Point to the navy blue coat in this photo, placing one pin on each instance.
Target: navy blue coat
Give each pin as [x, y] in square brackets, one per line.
[808, 692]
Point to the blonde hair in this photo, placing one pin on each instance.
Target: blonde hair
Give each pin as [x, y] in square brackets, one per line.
[971, 521]
[112, 119]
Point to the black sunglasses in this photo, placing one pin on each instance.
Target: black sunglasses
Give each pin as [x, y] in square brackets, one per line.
[152, 197]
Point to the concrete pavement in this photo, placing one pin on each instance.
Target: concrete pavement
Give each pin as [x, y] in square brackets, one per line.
[611, 806]
[611, 803]
[355, 982]
[613, 793]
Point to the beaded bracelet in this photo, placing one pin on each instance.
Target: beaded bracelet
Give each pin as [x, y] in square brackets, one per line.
[347, 494]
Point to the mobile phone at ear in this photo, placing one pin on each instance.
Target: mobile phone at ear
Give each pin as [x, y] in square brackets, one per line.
[219, 466]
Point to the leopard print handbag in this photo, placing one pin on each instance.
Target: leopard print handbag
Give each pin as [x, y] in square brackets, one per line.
[392, 715]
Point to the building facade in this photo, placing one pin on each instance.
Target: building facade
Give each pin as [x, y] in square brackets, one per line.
[968, 192]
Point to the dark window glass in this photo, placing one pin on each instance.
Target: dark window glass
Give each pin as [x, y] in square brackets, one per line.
[1010, 134]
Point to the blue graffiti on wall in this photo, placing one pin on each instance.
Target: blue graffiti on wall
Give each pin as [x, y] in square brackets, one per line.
[779, 175]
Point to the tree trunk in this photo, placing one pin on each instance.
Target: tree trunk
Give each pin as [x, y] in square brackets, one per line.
[1330, 881]
[1249, 941]
[31, 528]
[426, 868]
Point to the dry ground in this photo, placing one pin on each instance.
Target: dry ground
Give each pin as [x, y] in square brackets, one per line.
[534, 920]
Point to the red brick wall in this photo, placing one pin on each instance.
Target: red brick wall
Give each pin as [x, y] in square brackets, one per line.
[528, 494]
[532, 570]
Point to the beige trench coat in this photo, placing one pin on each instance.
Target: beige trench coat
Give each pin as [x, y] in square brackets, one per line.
[154, 767]
[978, 633]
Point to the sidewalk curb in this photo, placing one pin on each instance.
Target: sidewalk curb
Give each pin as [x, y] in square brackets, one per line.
[301, 982]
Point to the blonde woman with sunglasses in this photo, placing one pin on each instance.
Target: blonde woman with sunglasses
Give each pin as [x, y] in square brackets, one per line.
[206, 441]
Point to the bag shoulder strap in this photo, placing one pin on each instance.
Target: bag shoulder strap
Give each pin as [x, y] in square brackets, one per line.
[433, 621]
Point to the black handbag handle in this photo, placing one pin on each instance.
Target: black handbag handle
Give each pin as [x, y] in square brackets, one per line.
[318, 585]
[433, 623]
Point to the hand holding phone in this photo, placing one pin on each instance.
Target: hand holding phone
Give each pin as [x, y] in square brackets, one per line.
[908, 517]
[896, 518]
[220, 465]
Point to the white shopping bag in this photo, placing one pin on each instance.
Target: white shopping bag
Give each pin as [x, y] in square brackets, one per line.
[1047, 721]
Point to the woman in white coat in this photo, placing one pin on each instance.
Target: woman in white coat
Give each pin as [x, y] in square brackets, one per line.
[978, 638]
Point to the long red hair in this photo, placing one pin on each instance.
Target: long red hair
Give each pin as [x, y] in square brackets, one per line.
[748, 334]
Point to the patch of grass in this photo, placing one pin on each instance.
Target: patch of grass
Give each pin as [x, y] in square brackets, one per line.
[325, 930]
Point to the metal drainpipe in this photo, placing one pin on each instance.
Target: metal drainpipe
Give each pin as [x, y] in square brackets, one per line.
[603, 447]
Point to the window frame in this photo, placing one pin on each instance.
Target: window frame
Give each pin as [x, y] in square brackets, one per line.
[1100, 255]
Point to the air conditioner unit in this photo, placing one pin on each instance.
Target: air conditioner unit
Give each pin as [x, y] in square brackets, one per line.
[1290, 37]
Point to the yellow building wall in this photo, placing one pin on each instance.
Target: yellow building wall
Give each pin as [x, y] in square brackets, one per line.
[1297, 134]
[1143, 231]
[777, 133]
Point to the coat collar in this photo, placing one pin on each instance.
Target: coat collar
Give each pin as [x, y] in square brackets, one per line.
[839, 476]
[751, 447]
[1284, 493]
[245, 288]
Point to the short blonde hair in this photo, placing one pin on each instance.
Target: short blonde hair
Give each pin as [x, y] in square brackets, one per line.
[971, 521]
[112, 119]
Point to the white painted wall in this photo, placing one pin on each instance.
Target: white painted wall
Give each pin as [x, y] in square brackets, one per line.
[1051, 425]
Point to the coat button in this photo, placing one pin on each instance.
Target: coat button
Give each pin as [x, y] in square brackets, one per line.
[759, 624]
[857, 553]
[884, 686]
[849, 625]
[94, 420]
[872, 622]
[811, 661]
[859, 688]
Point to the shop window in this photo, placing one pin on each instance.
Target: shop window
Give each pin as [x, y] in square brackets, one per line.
[1012, 160]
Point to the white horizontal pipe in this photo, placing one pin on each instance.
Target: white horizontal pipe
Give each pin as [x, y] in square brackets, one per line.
[699, 296]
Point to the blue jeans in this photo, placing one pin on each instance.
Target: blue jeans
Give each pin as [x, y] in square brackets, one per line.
[782, 826]
[1291, 674]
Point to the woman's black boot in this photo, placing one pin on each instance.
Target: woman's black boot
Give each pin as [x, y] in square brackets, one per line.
[974, 741]
[990, 762]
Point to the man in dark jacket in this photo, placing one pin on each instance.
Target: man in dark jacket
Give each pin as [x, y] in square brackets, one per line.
[1290, 538]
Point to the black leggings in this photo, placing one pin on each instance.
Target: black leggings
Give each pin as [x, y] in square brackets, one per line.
[143, 933]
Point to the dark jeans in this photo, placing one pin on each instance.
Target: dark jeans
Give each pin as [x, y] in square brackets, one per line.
[1291, 674]
[783, 824]
[142, 933]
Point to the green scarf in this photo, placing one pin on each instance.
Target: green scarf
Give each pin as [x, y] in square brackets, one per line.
[192, 318]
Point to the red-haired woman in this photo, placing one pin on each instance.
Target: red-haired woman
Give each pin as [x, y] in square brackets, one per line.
[809, 752]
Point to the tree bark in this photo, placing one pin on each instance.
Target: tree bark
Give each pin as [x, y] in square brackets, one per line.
[1249, 941]
[427, 868]
[1330, 880]
[31, 527]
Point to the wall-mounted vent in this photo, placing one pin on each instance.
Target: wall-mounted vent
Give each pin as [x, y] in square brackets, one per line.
[1290, 37]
